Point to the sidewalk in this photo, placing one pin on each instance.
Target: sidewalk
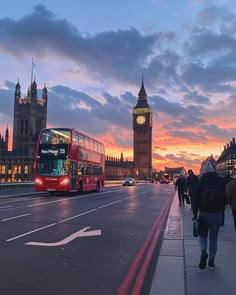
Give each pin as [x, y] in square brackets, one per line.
[177, 271]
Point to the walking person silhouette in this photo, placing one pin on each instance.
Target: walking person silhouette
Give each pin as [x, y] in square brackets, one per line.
[208, 204]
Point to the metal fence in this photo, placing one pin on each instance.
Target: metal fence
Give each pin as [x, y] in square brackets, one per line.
[9, 186]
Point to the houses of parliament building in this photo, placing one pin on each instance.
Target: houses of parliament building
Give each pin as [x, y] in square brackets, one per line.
[30, 116]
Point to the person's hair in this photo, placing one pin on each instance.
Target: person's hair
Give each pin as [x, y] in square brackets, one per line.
[190, 171]
[208, 167]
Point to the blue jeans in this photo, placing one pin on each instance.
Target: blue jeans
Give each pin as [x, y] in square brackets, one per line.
[208, 226]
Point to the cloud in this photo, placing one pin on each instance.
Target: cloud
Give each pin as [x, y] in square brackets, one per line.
[110, 53]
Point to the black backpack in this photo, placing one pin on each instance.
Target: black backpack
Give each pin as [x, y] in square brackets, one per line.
[211, 197]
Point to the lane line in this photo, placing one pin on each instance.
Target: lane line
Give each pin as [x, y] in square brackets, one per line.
[10, 218]
[5, 207]
[30, 232]
[13, 201]
[78, 215]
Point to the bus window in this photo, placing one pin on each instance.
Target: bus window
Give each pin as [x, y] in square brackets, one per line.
[80, 169]
[81, 140]
[96, 170]
[75, 139]
[91, 145]
[86, 170]
[52, 167]
[95, 146]
[86, 141]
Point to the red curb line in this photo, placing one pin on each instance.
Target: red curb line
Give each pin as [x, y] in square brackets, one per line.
[133, 269]
[139, 281]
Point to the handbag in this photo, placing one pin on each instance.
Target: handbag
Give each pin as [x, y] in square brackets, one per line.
[195, 228]
[187, 199]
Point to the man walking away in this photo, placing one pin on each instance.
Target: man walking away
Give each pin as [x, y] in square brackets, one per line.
[226, 179]
[231, 198]
[181, 186]
[191, 181]
[208, 203]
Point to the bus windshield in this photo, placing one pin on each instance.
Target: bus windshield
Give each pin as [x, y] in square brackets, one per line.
[52, 136]
[53, 167]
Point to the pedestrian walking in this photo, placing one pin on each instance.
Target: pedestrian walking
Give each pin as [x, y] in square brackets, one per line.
[208, 204]
[231, 198]
[180, 185]
[226, 179]
[191, 181]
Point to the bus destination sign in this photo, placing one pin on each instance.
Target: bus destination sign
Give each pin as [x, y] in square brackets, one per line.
[54, 151]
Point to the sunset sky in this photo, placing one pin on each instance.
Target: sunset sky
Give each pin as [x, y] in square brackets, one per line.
[92, 54]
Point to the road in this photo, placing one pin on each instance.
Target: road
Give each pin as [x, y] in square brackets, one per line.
[88, 244]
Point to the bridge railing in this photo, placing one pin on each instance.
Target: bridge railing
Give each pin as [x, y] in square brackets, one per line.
[9, 186]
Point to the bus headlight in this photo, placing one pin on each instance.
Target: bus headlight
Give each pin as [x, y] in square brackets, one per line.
[38, 181]
[64, 181]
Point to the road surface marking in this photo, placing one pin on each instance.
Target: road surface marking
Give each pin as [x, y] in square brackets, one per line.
[5, 207]
[10, 218]
[80, 233]
[30, 232]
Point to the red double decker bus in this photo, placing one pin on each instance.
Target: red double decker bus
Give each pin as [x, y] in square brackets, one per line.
[68, 160]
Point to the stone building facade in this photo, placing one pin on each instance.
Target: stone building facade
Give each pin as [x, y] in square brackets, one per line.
[30, 116]
[226, 164]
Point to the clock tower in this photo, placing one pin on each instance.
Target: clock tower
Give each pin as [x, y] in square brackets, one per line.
[142, 140]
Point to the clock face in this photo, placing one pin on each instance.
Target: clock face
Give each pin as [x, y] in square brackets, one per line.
[140, 119]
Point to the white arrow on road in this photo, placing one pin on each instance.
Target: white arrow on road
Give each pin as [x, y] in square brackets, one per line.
[80, 233]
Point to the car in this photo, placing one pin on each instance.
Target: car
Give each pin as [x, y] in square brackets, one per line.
[128, 181]
[164, 180]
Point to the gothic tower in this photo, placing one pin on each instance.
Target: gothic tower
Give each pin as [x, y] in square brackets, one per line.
[142, 136]
[4, 142]
[30, 116]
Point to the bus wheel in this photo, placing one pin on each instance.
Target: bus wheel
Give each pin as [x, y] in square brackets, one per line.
[98, 187]
[80, 189]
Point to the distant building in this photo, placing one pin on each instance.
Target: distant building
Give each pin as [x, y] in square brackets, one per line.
[118, 168]
[226, 164]
[30, 116]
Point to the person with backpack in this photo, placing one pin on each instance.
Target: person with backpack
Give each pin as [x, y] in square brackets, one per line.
[208, 204]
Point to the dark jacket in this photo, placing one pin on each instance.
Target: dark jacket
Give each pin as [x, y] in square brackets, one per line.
[191, 181]
[181, 184]
[209, 179]
[231, 193]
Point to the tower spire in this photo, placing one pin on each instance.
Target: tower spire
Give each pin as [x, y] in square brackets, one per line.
[32, 71]
[142, 92]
